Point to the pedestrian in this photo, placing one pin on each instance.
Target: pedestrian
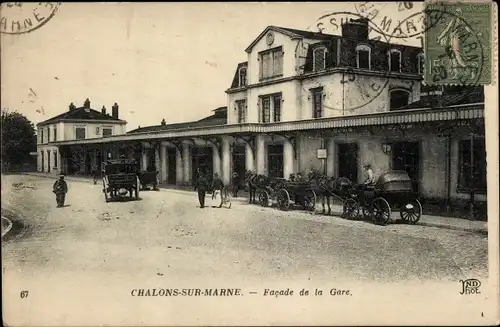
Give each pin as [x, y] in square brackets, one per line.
[201, 185]
[235, 181]
[217, 187]
[94, 174]
[60, 189]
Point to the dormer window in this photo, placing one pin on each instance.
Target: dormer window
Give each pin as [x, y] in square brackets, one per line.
[363, 56]
[319, 59]
[421, 64]
[242, 77]
[394, 60]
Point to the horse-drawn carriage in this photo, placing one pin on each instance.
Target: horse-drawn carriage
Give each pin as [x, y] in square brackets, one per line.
[120, 177]
[393, 189]
[147, 178]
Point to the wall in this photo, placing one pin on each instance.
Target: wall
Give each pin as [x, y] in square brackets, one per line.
[232, 112]
[69, 129]
[45, 168]
[307, 146]
[289, 100]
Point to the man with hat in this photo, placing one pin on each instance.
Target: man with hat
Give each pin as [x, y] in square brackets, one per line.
[367, 184]
[60, 189]
[201, 185]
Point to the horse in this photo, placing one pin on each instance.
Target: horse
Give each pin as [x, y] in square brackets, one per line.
[326, 187]
[255, 181]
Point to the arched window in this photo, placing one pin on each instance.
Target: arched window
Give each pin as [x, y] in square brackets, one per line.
[242, 76]
[319, 59]
[400, 99]
[421, 64]
[394, 60]
[363, 56]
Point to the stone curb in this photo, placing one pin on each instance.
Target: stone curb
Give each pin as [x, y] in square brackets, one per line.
[421, 223]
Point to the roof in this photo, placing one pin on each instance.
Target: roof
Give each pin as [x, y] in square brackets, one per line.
[218, 118]
[292, 33]
[82, 114]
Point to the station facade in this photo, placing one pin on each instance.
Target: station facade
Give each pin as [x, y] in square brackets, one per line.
[307, 100]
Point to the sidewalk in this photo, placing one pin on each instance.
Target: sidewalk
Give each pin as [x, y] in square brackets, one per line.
[425, 220]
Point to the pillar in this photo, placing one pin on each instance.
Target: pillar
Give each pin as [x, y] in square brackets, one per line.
[249, 158]
[144, 161]
[163, 163]
[186, 158]
[288, 159]
[330, 157]
[179, 169]
[226, 162]
[157, 159]
[261, 154]
[216, 161]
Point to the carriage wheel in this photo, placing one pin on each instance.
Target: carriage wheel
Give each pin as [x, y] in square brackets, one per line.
[411, 211]
[350, 209]
[283, 199]
[106, 197]
[366, 212]
[263, 198]
[381, 211]
[309, 200]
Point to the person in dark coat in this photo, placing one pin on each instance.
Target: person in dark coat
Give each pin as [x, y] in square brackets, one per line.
[235, 181]
[217, 188]
[201, 185]
[60, 189]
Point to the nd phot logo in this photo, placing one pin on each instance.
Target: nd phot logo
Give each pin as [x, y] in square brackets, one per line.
[470, 286]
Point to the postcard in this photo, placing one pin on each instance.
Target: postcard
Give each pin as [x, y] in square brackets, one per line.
[305, 163]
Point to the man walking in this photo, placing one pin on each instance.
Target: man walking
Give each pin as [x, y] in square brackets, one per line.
[60, 188]
[217, 187]
[201, 185]
[235, 183]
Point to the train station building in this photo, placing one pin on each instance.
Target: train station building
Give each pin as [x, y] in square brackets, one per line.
[302, 100]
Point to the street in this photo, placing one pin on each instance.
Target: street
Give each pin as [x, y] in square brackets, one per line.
[166, 240]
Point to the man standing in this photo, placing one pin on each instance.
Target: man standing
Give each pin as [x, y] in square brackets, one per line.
[60, 188]
[217, 187]
[201, 185]
[235, 183]
[367, 184]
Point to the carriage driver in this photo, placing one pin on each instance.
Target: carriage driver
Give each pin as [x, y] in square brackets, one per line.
[367, 184]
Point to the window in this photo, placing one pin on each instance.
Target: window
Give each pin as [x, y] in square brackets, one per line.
[271, 63]
[271, 108]
[41, 135]
[242, 76]
[394, 60]
[55, 133]
[241, 107]
[80, 133]
[317, 102]
[55, 159]
[399, 99]
[97, 130]
[421, 63]
[107, 131]
[319, 62]
[277, 107]
[363, 56]
[478, 180]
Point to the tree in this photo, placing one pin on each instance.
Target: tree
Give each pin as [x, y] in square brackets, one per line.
[18, 138]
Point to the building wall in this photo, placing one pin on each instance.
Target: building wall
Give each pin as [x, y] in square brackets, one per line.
[232, 112]
[54, 167]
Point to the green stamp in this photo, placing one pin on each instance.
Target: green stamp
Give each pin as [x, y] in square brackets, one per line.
[458, 45]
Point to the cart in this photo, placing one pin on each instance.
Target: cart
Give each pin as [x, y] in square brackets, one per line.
[120, 177]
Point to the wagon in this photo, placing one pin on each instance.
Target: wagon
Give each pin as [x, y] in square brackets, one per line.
[120, 177]
[268, 191]
[393, 189]
[299, 193]
[147, 178]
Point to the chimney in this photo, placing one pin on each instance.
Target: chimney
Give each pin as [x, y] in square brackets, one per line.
[103, 110]
[114, 111]
[356, 29]
[163, 122]
[86, 104]
[71, 106]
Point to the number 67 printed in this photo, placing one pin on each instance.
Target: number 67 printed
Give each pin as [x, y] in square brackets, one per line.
[24, 294]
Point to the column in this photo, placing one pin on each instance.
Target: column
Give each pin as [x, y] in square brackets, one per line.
[226, 162]
[261, 154]
[157, 160]
[330, 157]
[288, 159]
[144, 161]
[179, 169]
[249, 158]
[163, 163]
[216, 161]
[186, 157]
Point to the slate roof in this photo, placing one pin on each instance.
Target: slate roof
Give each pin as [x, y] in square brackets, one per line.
[81, 113]
[218, 118]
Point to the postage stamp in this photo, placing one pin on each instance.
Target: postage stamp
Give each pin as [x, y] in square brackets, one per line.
[25, 17]
[458, 47]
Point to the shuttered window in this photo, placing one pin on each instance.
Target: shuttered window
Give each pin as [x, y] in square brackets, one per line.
[319, 62]
[271, 63]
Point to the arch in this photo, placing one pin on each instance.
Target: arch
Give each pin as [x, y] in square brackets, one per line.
[242, 76]
[363, 63]
[396, 63]
[319, 59]
[420, 64]
[399, 98]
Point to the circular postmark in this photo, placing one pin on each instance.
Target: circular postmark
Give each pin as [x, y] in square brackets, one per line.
[364, 73]
[25, 17]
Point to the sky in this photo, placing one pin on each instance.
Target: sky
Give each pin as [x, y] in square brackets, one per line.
[156, 60]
